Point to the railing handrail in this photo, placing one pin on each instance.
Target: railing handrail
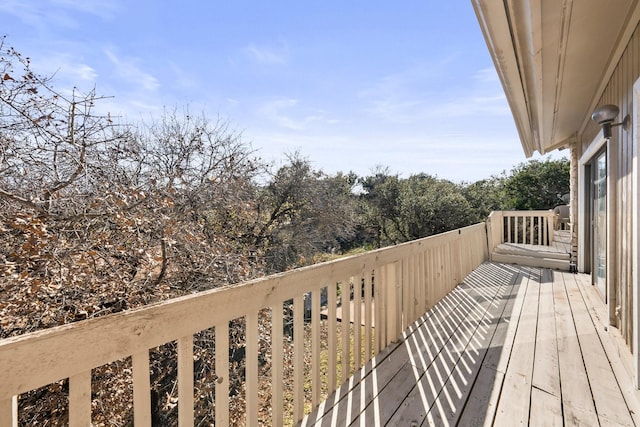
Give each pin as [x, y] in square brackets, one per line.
[33, 360]
[541, 212]
[520, 226]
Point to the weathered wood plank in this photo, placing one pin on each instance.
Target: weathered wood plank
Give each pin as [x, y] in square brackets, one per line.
[370, 386]
[365, 383]
[599, 315]
[345, 328]
[80, 400]
[277, 400]
[251, 369]
[298, 357]
[484, 396]
[451, 353]
[515, 398]
[609, 402]
[185, 381]
[368, 319]
[222, 374]
[437, 406]
[546, 374]
[357, 323]
[546, 409]
[141, 389]
[577, 401]
[332, 301]
[9, 412]
[433, 351]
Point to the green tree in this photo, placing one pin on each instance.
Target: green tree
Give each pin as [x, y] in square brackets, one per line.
[537, 184]
[397, 210]
[302, 212]
[484, 196]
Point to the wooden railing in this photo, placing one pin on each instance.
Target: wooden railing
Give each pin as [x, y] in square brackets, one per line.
[528, 227]
[387, 289]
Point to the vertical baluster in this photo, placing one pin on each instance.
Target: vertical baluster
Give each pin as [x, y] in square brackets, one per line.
[332, 302]
[422, 290]
[520, 229]
[141, 389]
[298, 358]
[357, 321]
[368, 324]
[80, 399]
[394, 301]
[251, 368]
[315, 347]
[531, 229]
[185, 381]
[277, 365]
[408, 290]
[222, 374]
[391, 303]
[346, 329]
[9, 412]
[430, 290]
[509, 238]
[378, 338]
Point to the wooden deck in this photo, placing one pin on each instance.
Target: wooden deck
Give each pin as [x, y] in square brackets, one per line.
[555, 256]
[510, 346]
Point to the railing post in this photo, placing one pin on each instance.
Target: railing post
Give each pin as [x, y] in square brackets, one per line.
[357, 322]
[185, 381]
[398, 288]
[277, 320]
[9, 412]
[141, 389]
[409, 266]
[251, 368]
[315, 347]
[80, 400]
[368, 312]
[298, 358]
[222, 374]
[332, 301]
[393, 313]
[345, 328]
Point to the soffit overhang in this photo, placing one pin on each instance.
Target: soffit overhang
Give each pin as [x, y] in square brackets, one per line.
[554, 58]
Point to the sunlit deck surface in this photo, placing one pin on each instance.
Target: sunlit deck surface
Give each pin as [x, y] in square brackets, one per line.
[510, 346]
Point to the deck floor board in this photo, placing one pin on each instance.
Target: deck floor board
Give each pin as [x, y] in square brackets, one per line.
[511, 345]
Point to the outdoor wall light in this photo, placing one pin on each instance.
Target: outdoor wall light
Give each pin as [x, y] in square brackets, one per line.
[605, 115]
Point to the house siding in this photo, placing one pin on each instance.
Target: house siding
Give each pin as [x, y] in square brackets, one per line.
[619, 91]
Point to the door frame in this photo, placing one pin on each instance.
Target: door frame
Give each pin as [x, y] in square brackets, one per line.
[635, 261]
[598, 145]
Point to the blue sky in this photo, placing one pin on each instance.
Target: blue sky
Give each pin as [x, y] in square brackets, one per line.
[349, 84]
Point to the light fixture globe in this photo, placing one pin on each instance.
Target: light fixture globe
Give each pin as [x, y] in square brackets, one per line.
[605, 113]
[604, 116]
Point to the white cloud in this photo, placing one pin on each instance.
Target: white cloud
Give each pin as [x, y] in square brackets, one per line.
[183, 78]
[128, 69]
[43, 15]
[268, 55]
[282, 111]
[418, 95]
[105, 9]
[487, 75]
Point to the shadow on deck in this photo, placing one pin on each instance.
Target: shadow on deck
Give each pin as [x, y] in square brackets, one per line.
[510, 345]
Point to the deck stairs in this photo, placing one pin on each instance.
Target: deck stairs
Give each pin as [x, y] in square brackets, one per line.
[556, 256]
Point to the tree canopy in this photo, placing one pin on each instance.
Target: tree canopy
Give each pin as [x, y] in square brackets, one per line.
[98, 216]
